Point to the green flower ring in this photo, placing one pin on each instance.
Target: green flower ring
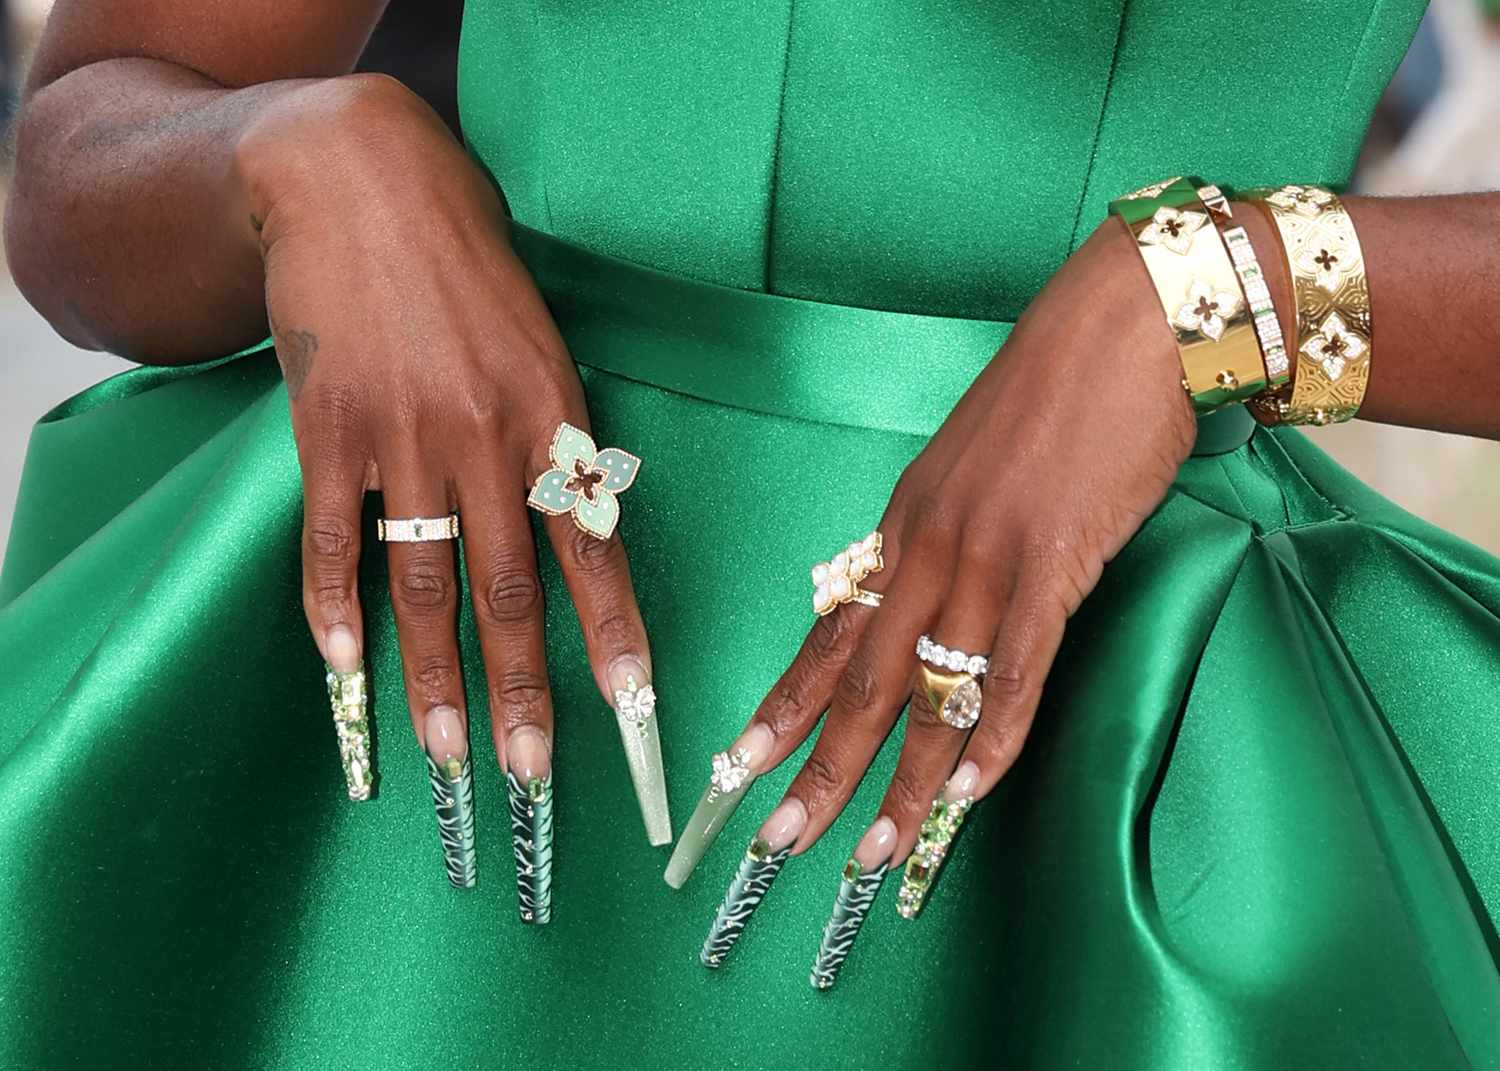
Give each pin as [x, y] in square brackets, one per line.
[584, 481]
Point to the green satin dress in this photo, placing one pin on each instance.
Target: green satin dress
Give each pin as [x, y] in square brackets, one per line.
[1254, 826]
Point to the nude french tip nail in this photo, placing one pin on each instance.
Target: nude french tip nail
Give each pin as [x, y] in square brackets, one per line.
[751, 881]
[635, 712]
[347, 696]
[734, 771]
[938, 830]
[531, 827]
[452, 781]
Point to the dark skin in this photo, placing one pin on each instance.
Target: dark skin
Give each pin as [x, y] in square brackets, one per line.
[257, 176]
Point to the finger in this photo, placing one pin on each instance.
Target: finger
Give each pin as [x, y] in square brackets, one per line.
[935, 738]
[782, 721]
[424, 597]
[1024, 647]
[597, 573]
[506, 592]
[332, 497]
[871, 690]
[1030, 631]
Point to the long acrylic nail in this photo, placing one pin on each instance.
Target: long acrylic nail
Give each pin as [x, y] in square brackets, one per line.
[858, 887]
[452, 782]
[763, 861]
[938, 830]
[529, 782]
[350, 703]
[635, 711]
[733, 773]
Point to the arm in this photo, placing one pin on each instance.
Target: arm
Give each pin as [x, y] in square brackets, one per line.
[1052, 460]
[130, 225]
[1434, 268]
[189, 172]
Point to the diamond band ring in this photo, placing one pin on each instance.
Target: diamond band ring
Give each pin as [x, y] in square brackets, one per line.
[951, 659]
[417, 529]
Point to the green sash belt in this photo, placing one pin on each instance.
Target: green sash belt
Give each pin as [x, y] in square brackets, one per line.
[790, 357]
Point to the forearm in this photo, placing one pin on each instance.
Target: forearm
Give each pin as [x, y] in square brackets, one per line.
[130, 225]
[1433, 265]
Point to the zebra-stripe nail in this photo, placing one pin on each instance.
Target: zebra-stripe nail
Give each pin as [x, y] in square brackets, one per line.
[453, 798]
[347, 697]
[531, 834]
[754, 876]
[857, 891]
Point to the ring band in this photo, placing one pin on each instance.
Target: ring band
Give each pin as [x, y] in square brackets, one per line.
[417, 529]
[954, 697]
[951, 658]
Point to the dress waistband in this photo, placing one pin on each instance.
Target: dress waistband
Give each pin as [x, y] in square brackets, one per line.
[791, 357]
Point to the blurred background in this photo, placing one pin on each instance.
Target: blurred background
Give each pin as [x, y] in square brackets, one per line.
[1434, 132]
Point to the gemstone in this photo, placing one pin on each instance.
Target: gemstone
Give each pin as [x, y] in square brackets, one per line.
[961, 708]
[956, 660]
[977, 665]
[840, 563]
[937, 653]
[851, 870]
[820, 573]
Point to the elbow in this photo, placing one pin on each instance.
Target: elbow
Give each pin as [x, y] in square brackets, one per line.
[33, 230]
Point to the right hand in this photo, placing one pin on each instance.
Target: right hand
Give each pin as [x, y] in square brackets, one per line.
[421, 361]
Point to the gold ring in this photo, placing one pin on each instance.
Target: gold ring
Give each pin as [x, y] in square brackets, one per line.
[954, 697]
[836, 581]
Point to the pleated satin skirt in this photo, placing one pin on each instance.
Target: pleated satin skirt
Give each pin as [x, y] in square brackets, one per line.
[1253, 825]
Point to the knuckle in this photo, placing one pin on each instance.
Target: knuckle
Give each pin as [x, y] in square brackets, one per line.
[330, 540]
[859, 684]
[591, 553]
[435, 675]
[521, 691]
[424, 586]
[907, 796]
[615, 630]
[1006, 683]
[828, 640]
[329, 596]
[1003, 739]
[819, 778]
[511, 594]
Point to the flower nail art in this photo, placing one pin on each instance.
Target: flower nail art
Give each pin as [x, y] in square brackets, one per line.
[635, 705]
[730, 771]
[1207, 310]
[1334, 346]
[1172, 229]
[584, 481]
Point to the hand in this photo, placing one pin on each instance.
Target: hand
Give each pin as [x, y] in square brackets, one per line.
[995, 533]
[421, 361]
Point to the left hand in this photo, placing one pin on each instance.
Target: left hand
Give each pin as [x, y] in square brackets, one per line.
[1051, 461]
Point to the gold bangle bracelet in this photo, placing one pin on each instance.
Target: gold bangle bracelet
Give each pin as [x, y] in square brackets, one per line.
[1257, 293]
[1332, 298]
[1199, 291]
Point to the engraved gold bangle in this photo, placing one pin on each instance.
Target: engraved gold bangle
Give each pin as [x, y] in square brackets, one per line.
[1199, 291]
[1332, 298]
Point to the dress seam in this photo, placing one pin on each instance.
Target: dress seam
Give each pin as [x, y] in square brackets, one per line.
[1109, 84]
[786, 63]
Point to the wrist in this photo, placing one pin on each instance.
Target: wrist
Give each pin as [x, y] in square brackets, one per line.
[327, 147]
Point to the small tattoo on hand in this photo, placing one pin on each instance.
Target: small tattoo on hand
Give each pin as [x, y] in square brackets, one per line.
[295, 349]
